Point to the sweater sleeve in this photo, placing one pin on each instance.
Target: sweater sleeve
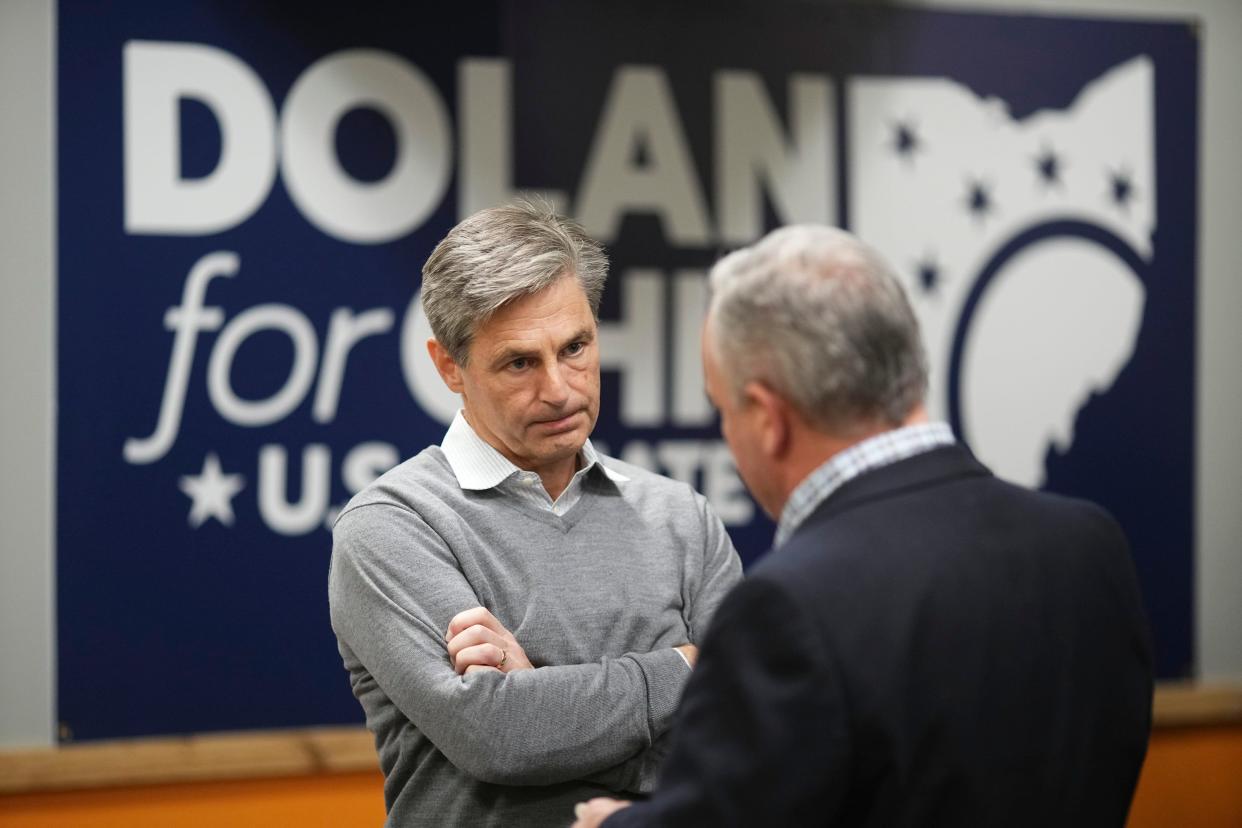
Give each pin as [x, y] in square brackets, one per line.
[721, 572]
[393, 584]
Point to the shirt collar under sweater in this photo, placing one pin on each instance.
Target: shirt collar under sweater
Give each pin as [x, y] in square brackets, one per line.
[478, 465]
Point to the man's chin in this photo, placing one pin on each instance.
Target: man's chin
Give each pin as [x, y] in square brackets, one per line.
[565, 443]
[560, 445]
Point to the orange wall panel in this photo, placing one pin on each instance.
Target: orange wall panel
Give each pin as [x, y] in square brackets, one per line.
[336, 801]
[1192, 778]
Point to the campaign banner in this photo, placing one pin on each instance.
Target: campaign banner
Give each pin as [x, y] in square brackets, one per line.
[247, 194]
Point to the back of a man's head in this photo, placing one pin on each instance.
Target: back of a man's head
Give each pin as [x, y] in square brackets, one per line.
[497, 255]
[817, 316]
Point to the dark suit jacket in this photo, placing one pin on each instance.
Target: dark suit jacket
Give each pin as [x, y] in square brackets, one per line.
[932, 647]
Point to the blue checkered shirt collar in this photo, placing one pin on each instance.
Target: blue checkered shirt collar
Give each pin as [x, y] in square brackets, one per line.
[872, 453]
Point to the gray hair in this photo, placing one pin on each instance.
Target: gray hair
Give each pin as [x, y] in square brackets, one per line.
[819, 317]
[498, 255]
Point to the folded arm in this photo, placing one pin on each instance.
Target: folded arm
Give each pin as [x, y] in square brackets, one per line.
[394, 587]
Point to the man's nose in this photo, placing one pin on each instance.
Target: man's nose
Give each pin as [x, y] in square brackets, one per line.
[554, 389]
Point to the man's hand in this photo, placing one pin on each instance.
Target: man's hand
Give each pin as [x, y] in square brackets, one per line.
[591, 813]
[689, 652]
[477, 641]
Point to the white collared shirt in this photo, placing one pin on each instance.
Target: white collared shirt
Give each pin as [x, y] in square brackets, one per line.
[479, 466]
[872, 453]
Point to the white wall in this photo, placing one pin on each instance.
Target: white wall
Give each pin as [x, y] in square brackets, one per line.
[27, 377]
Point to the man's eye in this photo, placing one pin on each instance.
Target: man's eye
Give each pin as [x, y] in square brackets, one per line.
[575, 348]
[519, 364]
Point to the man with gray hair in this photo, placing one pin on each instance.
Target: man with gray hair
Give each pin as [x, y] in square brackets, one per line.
[517, 612]
[926, 644]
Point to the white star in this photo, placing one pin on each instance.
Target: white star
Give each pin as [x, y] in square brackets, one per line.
[212, 492]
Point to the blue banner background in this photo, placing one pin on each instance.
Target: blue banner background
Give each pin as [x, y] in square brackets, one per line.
[164, 628]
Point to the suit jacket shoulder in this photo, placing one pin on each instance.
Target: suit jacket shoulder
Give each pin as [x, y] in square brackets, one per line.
[983, 632]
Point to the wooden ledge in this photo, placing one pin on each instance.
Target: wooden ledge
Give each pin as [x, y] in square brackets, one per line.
[1183, 704]
[217, 757]
[200, 758]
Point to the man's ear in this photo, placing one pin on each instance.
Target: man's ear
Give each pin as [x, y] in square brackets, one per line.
[449, 370]
[771, 414]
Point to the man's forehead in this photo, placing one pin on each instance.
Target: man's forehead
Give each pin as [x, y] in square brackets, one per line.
[558, 309]
[532, 337]
[713, 371]
[493, 341]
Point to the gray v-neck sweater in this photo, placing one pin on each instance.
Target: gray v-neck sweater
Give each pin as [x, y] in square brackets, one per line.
[597, 597]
